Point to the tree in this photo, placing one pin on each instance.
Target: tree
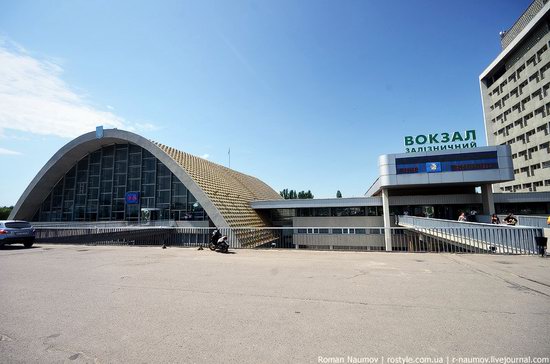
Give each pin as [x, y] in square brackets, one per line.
[5, 212]
[288, 194]
[292, 194]
[338, 194]
[304, 194]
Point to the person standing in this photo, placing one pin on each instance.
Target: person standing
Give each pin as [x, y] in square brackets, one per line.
[494, 219]
[510, 219]
[462, 217]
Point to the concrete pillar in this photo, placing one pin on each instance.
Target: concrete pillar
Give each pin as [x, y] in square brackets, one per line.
[387, 219]
[488, 200]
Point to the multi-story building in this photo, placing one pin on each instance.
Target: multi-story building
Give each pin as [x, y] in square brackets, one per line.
[516, 102]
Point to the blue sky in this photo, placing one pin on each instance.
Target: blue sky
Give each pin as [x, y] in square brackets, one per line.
[307, 94]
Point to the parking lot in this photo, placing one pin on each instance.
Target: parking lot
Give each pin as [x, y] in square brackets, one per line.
[66, 303]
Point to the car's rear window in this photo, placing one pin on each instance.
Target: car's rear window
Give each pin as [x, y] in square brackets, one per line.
[17, 224]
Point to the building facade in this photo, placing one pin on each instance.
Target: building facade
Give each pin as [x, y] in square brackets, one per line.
[120, 176]
[516, 102]
[117, 177]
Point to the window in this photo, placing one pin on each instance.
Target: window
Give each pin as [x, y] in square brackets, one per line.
[81, 188]
[323, 211]
[348, 211]
[95, 188]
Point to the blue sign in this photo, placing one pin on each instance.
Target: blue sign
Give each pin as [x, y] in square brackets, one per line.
[447, 163]
[132, 198]
[433, 167]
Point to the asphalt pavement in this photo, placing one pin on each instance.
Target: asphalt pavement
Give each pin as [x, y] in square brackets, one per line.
[97, 304]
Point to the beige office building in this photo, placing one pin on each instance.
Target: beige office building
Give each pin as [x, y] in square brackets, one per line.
[516, 102]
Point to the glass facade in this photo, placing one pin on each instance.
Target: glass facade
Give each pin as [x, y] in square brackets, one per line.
[96, 188]
[339, 211]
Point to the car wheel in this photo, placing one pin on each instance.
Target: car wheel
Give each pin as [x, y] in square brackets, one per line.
[28, 244]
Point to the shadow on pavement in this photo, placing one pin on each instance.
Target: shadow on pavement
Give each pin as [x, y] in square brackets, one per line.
[16, 247]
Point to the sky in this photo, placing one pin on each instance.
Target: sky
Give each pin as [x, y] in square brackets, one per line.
[306, 94]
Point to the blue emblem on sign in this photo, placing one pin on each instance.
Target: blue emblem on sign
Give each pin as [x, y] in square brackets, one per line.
[132, 198]
[433, 167]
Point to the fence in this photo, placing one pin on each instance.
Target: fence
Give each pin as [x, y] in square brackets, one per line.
[535, 221]
[523, 220]
[465, 239]
[476, 237]
[106, 224]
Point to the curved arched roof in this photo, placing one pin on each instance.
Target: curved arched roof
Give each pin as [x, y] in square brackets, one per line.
[224, 194]
[230, 191]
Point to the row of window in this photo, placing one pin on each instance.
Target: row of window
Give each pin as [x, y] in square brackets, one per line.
[515, 94]
[530, 170]
[522, 122]
[527, 154]
[339, 211]
[519, 90]
[531, 186]
[356, 231]
[516, 75]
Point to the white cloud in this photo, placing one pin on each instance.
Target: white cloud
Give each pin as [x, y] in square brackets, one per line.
[4, 151]
[35, 99]
[146, 126]
[205, 156]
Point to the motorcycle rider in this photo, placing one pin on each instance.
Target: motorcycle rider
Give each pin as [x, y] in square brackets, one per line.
[216, 235]
[218, 242]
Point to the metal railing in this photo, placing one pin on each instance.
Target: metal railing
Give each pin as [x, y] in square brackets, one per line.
[105, 224]
[476, 237]
[523, 220]
[526, 220]
[466, 238]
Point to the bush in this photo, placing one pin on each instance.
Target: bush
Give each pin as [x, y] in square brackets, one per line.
[5, 212]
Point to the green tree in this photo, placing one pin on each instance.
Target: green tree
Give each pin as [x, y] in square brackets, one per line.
[5, 212]
[338, 194]
[304, 194]
[292, 194]
[288, 194]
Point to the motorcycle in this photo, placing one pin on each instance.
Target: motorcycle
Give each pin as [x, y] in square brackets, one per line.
[220, 245]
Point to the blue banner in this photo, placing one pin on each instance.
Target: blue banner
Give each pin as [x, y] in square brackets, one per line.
[132, 198]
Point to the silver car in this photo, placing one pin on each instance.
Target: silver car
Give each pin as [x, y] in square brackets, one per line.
[16, 232]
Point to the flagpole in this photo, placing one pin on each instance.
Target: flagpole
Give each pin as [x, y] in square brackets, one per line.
[229, 153]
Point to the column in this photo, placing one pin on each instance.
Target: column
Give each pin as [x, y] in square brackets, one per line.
[487, 198]
[387, 219]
